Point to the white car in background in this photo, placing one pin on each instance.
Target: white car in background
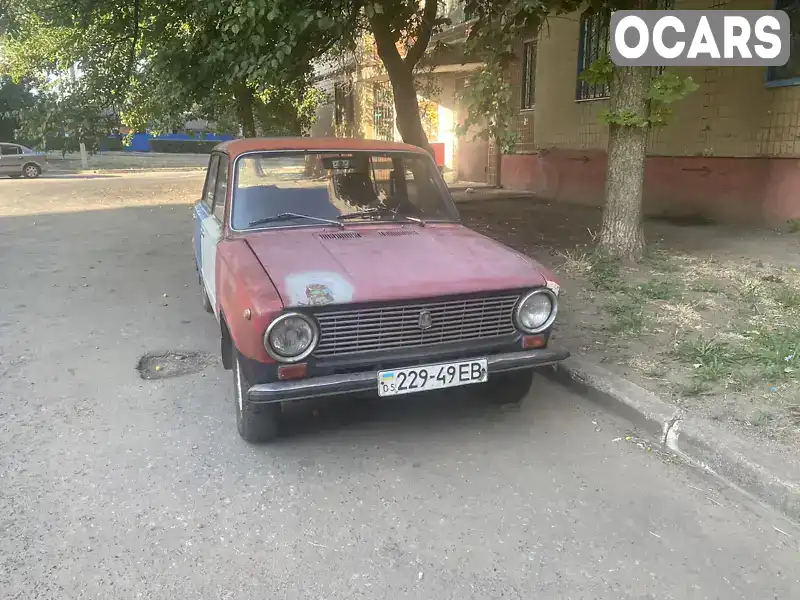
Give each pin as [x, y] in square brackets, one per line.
[19, 161]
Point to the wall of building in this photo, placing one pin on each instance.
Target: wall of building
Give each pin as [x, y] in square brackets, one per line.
[730, 151]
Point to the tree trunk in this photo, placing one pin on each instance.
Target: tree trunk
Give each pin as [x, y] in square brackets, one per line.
[406, 106]
[401, 76]
[498, 164]
[244, 109]
[621, 235]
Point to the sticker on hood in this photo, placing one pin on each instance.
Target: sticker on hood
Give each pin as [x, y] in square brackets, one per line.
[317, 288]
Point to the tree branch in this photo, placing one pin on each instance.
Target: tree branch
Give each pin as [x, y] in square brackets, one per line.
[417, 51]
[386, 41]
[135, 40]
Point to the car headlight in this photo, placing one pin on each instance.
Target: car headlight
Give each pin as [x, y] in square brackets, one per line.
[536, 311]
[291, 337]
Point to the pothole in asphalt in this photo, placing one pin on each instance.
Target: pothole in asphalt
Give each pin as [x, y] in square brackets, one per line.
[163, 365]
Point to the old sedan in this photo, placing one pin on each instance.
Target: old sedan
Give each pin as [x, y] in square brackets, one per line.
[338, 266]
[20, 161]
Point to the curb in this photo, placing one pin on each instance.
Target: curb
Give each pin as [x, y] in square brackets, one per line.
[698, 441]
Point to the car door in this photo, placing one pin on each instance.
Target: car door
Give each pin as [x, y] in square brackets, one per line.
[211, 228]
[10, 159]
[202, 210]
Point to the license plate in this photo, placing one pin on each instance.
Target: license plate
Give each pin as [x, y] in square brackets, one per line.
[425, 378]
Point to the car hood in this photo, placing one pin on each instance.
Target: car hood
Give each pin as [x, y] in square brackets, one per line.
[373, 263]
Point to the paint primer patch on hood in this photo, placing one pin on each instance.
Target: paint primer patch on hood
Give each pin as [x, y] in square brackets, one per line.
[317, 288]
[553, 286]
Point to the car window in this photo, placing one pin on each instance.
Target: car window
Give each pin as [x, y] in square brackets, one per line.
[221, 189]
[6, 150]
[211, 181]
[386, 186]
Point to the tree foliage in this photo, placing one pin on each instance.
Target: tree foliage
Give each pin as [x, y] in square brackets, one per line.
[14, 99]
[155, 63]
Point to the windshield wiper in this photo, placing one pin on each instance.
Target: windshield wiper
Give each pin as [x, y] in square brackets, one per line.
[380, 211]
[287, 216]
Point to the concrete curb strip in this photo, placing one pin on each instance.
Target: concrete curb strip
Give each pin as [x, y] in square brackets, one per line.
[742, 463]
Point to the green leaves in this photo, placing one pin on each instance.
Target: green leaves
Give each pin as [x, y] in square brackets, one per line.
[600, 72]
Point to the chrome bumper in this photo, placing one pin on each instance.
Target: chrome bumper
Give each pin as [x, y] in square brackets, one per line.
[367, 381]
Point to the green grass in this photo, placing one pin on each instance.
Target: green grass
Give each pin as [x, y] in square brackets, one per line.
[658, 290]
[770, 356]
[629, 317]
[704, 286]
[711, 360]
[605, 274]
[776, 353]
[761, 418]
[694, 388]
[787, 297]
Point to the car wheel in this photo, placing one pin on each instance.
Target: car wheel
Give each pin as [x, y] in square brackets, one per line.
[257, 423]
[510, 388]
[206, 300]
[31, 171]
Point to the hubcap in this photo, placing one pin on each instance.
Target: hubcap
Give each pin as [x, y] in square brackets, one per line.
[30, 171]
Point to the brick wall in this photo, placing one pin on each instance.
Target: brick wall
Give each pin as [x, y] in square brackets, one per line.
[732, 114]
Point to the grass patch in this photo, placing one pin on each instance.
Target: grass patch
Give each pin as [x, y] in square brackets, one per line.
[711, 360]
[694, 388]
[776, 353]
[761, 418]
[629, 317]
[661, 262]
[658, 290]
[705, 286]
[787, 297]
[771, 356]
[604, 274]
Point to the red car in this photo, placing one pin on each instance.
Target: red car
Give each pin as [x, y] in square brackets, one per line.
[339, 266]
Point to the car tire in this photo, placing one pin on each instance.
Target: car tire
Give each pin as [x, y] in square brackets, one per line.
[206, 300]
[31, 171]
[510, 388]
[257, 423]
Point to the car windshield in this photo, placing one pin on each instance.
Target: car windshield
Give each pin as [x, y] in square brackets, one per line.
[308, 188]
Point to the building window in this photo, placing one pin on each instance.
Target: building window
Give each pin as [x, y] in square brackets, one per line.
[528, 75]
[338, 102]
[383, 112]
[593, 44]
[788, 74]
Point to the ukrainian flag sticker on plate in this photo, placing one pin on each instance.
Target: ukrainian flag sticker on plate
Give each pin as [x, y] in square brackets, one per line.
[386, 383]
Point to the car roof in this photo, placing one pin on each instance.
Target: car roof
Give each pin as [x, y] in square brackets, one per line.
[236, 147]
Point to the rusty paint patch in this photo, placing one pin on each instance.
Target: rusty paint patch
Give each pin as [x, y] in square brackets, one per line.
[318, 288]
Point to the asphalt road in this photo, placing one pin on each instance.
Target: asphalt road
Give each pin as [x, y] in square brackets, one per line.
[116, 487]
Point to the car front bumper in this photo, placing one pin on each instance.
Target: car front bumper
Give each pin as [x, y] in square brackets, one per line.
[367, 381]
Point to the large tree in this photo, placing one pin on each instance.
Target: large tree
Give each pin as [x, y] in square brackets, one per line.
[14, 99]
[152, 62]
[639, 100]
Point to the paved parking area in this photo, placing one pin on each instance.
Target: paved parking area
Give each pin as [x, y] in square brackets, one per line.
[116, 487]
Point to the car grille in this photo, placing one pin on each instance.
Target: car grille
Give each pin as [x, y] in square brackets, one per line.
[388, 327]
